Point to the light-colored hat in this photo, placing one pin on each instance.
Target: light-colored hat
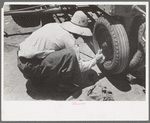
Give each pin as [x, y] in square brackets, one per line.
[78, 24]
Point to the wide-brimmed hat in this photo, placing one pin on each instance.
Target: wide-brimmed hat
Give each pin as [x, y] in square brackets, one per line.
[78, 24]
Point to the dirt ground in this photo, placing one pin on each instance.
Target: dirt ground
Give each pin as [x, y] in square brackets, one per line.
[16, 87]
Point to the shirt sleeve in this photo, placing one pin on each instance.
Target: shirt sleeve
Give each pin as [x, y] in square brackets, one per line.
[84, 65]
[70, 43]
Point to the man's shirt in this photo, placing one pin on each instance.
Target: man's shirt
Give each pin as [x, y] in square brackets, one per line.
[50, 38]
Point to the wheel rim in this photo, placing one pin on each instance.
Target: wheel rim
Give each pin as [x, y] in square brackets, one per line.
[104, 40]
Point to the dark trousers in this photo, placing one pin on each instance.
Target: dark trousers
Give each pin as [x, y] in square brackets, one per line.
[61, 66]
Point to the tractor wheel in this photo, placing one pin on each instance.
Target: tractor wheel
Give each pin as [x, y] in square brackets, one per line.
[28, 20]
[111, 37]
[142, 35]
[138, 60]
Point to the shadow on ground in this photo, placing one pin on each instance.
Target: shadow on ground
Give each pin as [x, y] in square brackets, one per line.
[49, 91]
[139, 81]
[45, 93]
[120, 82]
[139, 77]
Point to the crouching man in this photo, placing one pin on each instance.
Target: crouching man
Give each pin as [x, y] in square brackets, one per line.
[51, 52]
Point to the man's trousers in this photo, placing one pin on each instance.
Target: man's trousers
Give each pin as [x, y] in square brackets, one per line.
[58, 67]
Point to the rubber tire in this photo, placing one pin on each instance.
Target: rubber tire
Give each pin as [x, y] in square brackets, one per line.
[121, 50]
[138, 60]
[133, 35]
[142, 30]
[29, 20]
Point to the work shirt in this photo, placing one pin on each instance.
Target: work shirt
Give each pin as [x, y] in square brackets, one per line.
[50, 38]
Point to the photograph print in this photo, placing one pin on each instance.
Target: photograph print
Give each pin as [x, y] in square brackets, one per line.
[69, 52]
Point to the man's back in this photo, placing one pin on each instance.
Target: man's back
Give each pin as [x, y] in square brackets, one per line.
[51, 37]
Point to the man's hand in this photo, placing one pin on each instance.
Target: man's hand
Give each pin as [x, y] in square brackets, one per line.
[100, 58]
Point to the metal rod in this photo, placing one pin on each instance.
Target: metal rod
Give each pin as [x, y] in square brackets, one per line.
[138, 9]
[58, 18]
[52, 11]
[86, 55]
[23, 12]
[27, 8]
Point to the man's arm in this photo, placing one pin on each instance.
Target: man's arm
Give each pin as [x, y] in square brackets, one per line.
[87, 65]
[99, 57]
[84, 65]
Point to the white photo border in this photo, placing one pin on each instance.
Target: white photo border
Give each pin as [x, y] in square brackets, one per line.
[65, 111]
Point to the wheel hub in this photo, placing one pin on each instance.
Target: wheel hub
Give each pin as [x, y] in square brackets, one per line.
[104, 46]
[105, 43]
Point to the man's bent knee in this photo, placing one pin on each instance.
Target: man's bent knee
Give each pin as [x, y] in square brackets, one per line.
[69, 53]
